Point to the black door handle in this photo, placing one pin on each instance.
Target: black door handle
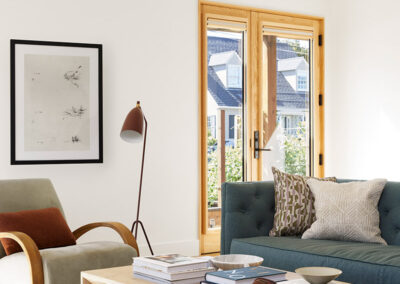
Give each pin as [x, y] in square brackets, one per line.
[257, 148]
[265, 149]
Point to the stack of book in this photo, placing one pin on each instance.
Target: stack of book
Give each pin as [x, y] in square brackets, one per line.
[172, 268]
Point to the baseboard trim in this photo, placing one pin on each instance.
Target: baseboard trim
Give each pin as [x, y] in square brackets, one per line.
[188, 247]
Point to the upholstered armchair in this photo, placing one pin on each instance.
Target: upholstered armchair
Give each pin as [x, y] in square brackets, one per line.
[60, 265]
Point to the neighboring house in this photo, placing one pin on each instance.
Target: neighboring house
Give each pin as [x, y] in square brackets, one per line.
[292, 93]
[225, 94]
[225, 88]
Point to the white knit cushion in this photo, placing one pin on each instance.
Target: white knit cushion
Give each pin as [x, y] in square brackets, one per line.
[346, 211]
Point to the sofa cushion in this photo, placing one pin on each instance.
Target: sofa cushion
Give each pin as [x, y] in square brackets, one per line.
[47, 228]
[346, 211]
[27, 194]
[294, 209]
[360, 262]
[63, 265]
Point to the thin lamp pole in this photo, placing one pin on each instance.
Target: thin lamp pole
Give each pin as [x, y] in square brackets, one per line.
[136, 224]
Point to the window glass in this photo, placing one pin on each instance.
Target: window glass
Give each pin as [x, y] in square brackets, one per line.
[225, 157]
[234, 76]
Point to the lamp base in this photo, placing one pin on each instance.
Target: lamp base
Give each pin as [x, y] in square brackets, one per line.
[135, 227]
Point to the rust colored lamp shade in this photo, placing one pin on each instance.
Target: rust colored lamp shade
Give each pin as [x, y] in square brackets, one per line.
[132, 129]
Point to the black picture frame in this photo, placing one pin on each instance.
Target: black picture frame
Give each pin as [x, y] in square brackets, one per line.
[16, 157]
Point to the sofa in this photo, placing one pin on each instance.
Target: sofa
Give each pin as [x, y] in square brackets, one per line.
[248, 215]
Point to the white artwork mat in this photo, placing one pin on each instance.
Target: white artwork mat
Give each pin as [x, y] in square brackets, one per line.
[56, 103]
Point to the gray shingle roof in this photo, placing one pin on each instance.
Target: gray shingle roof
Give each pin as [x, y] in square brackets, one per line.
[220, 44]
[284, 50]
[222, 96]
[222, 58]
[289, 63]
[287, 97]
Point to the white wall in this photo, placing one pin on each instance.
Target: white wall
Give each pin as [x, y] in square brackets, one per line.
[363, 97]
[150, 54]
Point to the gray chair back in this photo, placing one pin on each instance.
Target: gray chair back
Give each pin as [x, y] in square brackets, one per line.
[27, 194]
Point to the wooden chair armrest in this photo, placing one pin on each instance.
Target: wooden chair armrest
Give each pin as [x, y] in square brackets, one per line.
[32, 253]
[121, 229]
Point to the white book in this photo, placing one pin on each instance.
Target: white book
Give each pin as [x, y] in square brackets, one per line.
[172, 276]
[196, 280]
[171, 263]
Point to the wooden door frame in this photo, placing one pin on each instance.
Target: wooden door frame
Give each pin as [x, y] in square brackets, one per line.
[253, 17]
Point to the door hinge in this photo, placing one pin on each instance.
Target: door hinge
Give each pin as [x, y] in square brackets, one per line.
[320, 40]
[321, 159]
[320, 100]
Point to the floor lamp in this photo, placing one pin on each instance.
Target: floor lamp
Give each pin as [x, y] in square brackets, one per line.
[132, 132]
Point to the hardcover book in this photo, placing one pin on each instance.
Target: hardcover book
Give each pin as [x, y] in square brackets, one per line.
[242, 275]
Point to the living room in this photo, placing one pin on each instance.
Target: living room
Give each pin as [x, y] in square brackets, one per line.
[151, 52]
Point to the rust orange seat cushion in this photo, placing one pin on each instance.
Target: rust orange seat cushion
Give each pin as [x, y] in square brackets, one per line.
[47, 227]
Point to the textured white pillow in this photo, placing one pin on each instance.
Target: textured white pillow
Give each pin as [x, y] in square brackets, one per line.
[346, 211]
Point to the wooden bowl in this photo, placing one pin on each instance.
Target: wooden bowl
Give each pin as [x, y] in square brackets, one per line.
[233, 261]
[318, 275]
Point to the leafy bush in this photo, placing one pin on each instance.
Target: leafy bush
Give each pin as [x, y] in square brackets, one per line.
[295, 160]
[295, 151]
[233, 168]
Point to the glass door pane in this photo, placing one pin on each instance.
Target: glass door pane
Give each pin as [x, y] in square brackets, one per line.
[286, 119]
[225, 100]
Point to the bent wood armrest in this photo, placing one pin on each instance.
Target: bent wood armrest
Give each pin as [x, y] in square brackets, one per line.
[121, 229]
[31, 251]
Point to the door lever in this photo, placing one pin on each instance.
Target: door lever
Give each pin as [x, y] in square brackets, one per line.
[257, 148]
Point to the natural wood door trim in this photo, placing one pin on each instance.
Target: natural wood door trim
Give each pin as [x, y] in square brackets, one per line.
[260, 10]
[269, 71]
[255, 19]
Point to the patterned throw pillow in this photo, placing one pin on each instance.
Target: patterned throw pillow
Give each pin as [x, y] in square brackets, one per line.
[294, 204]
[346, 211]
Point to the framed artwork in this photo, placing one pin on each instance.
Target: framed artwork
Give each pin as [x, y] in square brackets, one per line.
[56, 102]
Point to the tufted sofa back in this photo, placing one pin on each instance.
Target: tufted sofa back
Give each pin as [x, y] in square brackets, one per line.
[248, 211]
[389, 212]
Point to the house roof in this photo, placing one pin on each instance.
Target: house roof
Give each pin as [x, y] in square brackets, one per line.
[282, 85]
[226, 57]
[222, 96]
[289, 63]
[287, 97]
[284, 50]
[297, 101]
[220, 44]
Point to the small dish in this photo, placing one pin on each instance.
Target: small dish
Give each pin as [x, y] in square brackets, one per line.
[233, 261]
[318, 275]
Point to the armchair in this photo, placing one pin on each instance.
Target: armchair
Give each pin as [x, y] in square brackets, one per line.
[55, 265]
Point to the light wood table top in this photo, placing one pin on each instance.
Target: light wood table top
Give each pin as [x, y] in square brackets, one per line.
[124, 275]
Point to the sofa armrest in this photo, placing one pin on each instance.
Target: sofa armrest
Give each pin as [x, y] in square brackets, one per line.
[32, 253]
[121, 229]
[247, 211]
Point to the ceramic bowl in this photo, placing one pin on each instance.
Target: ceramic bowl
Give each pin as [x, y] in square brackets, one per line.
[233, 261]
[318, 275]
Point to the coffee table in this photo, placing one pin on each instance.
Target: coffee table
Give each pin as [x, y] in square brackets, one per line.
[124, 275]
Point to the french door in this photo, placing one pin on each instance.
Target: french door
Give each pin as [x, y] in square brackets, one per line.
[261, 96]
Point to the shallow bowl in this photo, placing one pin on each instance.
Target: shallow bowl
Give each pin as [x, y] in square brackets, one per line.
[318, 275]
[233, 261]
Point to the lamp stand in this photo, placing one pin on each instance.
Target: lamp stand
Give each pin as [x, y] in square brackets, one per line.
[136, 224]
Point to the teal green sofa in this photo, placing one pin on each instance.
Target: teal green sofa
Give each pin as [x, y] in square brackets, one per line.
[248, 215]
